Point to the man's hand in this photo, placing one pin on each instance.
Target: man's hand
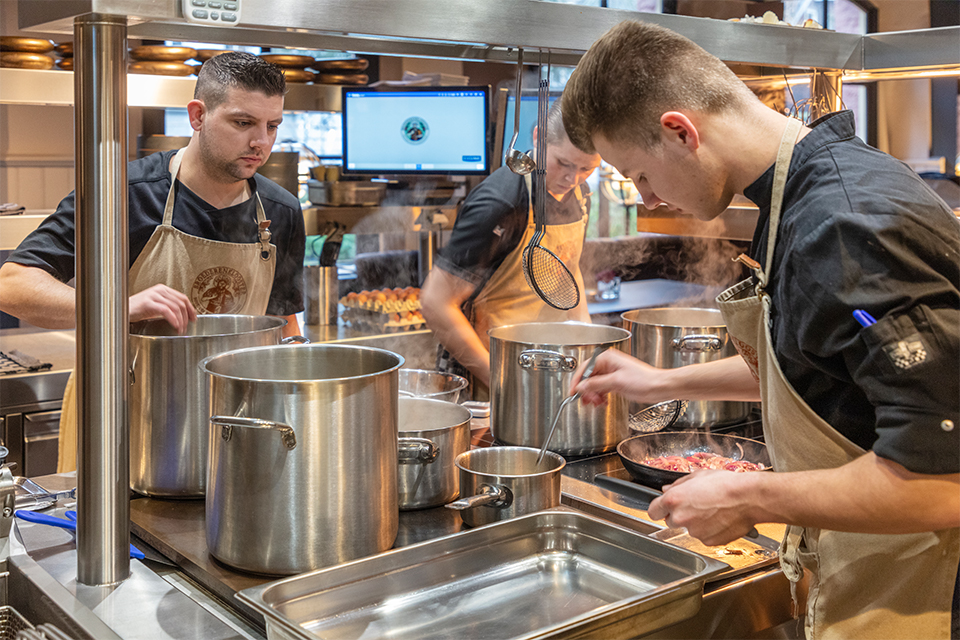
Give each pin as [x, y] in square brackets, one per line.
[160, 301]
[616, 372]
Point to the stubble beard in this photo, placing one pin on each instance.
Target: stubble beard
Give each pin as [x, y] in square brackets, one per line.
[217, 167]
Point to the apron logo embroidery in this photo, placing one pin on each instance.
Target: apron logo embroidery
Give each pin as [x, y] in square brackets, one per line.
[219, 290]
[906, 353]
[749, 355]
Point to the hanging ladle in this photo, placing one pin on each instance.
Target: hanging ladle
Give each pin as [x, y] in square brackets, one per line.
[568, 400]
[518, 161]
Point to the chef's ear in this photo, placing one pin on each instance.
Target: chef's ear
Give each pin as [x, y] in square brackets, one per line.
[197, 111]
[678, 127]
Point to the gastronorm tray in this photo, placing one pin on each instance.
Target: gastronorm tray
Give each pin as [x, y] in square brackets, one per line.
[552, 574]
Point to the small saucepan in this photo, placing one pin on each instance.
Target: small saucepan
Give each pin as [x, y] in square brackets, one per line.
[432, 434]
[633, 451]
[498, 483]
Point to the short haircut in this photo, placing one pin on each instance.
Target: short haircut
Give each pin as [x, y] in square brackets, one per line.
[555, 131]
[237, 69]
[636, 72]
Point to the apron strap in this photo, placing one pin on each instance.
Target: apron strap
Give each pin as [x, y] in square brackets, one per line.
[263, 225]
[784, 154]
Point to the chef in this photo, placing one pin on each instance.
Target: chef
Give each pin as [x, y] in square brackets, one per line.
[477, 282]
[860, 411]
[207, 233]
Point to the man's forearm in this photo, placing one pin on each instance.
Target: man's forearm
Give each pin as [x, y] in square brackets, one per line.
[868, 495]
[726, 379]
[36, 297]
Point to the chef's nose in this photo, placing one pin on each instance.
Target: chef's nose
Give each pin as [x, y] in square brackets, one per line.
[650, 199]
[262, 138]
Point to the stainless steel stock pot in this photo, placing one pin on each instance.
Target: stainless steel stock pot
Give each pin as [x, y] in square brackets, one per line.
[169, 409]
[531, 368]
[303, 456]
[670, 337]
[432, 434]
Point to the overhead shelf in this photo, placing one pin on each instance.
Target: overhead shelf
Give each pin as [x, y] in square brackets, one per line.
[33, 87]
[491, 29]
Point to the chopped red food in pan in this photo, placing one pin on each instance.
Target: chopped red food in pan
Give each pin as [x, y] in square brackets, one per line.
[701, 460]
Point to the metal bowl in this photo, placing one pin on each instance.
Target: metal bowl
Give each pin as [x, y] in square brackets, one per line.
[436, 385]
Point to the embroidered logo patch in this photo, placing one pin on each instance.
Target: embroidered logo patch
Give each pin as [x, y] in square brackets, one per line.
[907, 353]
[219, 290]
[749, 355]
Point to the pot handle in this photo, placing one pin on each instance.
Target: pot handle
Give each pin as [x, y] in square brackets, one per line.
[227, 424]
[417, 450]
[542, 359]
[296, 340]
[699, 343]
[491, 495]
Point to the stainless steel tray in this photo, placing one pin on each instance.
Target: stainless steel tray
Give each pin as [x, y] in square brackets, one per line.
[30, 496]
[552, 574]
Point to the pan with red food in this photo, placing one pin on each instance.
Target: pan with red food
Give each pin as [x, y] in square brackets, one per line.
[657, 459]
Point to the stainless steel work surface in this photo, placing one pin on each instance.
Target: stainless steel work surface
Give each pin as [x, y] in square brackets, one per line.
[556, 573]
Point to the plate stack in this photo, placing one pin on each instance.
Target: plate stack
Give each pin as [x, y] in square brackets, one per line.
[205, 54]
[348, 72]
[65, 51]
[25, 53]
[162, 61]
[294, 66]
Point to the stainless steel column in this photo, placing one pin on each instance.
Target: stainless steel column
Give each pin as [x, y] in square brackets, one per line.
[103, 455]
[825, 90]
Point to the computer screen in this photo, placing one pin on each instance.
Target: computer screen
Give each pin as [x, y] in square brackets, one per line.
[528, 121]
[416, 130]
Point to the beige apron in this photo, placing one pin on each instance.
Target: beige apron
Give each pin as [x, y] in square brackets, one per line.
[506, 298]
[862, 585]
[218, 277]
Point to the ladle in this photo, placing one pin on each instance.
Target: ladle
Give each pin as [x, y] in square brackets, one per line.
[568, 400]
[518, 161]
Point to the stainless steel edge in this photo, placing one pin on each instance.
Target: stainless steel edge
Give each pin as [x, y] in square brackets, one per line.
[465, 28]
[923, 48]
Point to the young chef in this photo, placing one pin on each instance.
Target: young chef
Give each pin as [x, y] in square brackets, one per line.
[198, 223]
[477, 282]
[861, 418]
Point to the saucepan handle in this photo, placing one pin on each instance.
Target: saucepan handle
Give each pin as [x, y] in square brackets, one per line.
[417, 451]
[698, 343]
[296, 340]
[492, 495]
[545, 360]
[228, 423]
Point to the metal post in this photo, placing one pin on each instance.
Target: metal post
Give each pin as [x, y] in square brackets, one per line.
[826, 89]
[103, 457]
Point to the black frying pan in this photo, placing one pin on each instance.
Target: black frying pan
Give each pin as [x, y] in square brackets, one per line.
[683, 443]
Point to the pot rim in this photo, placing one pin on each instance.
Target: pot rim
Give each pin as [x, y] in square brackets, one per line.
[624, 336]
[407, 433]
[673, 325]
[282, 322]
[203, 363]
[549, 454]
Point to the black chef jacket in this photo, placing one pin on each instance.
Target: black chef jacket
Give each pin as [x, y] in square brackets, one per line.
[860, 230]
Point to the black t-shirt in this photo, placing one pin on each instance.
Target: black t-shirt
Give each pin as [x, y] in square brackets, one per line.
[491, 222]
[860, 230]
[51, 246]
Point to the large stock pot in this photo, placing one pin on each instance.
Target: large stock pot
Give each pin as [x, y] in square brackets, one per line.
[303, 456]
[531, 369]
[671, 337]
[169, 411]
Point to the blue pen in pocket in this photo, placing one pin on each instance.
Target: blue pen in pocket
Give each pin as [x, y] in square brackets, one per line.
[864, 318]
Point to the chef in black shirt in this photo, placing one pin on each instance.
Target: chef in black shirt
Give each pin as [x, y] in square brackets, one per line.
[860, 411]
[207, 233]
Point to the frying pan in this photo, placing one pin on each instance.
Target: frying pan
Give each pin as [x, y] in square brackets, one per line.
[683, 443]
